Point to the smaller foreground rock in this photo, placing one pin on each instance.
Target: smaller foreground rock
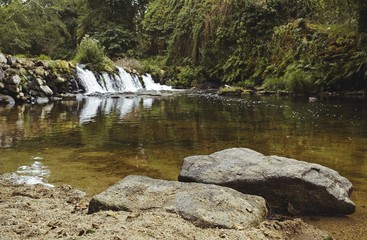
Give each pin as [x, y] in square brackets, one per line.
[204, 205]
[288, 185]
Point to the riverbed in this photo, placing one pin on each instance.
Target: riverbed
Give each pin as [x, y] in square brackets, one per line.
[93, 142]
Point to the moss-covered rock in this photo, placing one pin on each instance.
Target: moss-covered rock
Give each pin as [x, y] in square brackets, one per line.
[23, 78]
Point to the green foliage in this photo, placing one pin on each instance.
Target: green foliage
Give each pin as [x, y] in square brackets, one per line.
[293, 9]
[210, 34]
[329, 54]
[295, 80]
[114, 23]
[335, 11]
[59, 66]
[117, 41]
[275, 84]
[21, 56]
[155, 66]
[13, 35]
[269, 43]
[159, 23]
[39, 27]
[190, 76]
[92, 53]
[298, 80]
[43, 57]
[239, 42]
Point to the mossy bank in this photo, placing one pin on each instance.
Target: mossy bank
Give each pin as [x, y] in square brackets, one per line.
[23, 78]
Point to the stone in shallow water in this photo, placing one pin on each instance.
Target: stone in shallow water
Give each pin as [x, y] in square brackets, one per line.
[288, 185]
[5, 99]
[204, 205]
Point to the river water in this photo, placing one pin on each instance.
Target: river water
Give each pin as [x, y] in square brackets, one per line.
[94, 142]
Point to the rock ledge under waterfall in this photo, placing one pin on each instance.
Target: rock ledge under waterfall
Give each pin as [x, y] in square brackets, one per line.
[29, 79]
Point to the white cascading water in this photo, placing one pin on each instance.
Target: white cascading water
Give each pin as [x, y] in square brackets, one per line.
[129, 82]
[150, 85]
[108, 84]
[116, 83]
[89, 81]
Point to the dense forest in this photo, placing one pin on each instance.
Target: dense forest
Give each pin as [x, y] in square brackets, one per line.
[280, 45]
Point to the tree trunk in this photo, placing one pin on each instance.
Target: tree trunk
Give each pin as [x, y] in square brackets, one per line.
[362, 16]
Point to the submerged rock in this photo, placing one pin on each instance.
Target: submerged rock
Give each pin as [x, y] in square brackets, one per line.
[204, 205]
[5, 99]
[288, 185]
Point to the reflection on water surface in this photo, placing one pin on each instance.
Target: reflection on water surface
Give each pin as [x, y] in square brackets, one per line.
[93, 142]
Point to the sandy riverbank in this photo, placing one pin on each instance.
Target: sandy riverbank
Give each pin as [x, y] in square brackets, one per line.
[345, 227]
[36, 212]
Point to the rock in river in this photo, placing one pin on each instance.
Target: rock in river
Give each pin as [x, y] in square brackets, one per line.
[204, 205]
[3, 59]
[288, 185]
[5, 99]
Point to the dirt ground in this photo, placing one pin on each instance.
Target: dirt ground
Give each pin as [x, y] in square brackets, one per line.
[36, 212]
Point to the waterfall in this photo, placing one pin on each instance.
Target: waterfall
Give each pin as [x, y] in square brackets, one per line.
[89, 81]
[129, 82]
[150, 85]
[119, 82]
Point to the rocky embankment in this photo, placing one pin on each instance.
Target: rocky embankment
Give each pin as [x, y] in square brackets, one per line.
[26, 79]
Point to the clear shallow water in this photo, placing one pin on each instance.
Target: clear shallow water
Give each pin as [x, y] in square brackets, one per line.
[92, 143]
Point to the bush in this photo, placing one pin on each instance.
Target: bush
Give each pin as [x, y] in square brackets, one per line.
[90, 52]
[118, 41]
[299, 81]
[295, 80]
[190, 76]
[43, 57]
[154, 66]
[275, 84]
[60, 66]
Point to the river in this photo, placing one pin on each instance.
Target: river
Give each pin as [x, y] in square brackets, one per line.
[93, 142]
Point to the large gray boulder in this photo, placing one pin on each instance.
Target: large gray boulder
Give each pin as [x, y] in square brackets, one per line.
[288, 185]
[204, 205]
